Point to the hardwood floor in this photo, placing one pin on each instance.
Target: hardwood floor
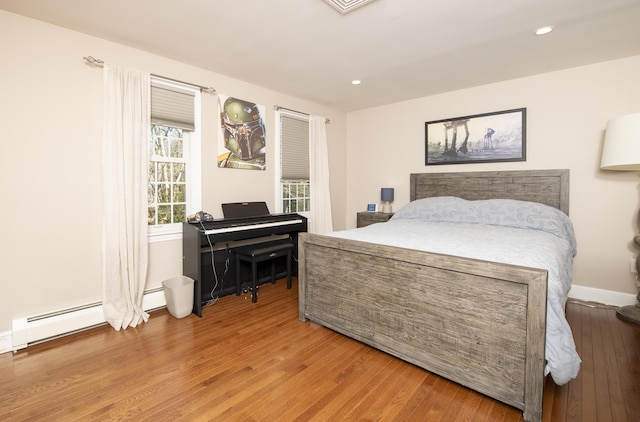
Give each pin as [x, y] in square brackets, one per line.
[257, 362]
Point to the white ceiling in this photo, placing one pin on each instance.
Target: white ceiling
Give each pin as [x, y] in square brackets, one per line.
[400, 49]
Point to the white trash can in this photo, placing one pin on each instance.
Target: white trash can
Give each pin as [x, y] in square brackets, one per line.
[178, 292]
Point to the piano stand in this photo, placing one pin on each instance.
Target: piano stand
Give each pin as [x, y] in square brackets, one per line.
[256, 254]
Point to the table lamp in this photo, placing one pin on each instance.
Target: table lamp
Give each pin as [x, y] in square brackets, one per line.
[621, 151]
[386, 195]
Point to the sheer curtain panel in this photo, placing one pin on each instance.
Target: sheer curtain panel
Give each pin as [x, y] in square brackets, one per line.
[320, 218]
[125, 166]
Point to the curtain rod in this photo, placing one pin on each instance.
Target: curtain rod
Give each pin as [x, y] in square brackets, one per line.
[277, 107]
[205, 89]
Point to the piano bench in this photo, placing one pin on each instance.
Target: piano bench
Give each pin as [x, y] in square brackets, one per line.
[260, 253]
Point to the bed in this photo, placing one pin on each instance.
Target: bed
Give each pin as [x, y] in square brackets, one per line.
[489, 318]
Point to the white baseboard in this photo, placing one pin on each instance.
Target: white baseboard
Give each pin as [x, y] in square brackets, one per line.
[606, 297]
[29, 330]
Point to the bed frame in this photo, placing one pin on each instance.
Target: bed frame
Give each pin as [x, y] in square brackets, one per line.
[478, 323]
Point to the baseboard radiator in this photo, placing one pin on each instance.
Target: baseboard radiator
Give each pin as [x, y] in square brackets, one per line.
[36, 329]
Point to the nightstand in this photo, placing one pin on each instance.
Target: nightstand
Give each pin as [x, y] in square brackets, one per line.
[365, 218]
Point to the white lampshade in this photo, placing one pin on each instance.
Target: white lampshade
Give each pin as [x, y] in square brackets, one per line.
[621, 150]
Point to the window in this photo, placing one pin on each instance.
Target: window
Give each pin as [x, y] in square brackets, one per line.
[167, 180]
[296, 196]
[174, 158]
[294, 187]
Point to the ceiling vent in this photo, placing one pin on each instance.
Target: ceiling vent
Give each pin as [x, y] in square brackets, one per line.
[346, 6]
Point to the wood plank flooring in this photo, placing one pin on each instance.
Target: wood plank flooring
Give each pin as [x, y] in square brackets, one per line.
[257, 362]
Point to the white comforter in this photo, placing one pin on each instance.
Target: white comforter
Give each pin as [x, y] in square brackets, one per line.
[530, 247]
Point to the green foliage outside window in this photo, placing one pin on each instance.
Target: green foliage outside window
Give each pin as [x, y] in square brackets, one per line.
[296, 196]
[167, 183]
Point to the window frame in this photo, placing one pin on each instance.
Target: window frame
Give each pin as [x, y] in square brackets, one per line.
[278, 173]
[191, 156]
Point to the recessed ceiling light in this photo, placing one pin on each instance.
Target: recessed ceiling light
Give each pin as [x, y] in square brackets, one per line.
[544, 30]
[356, 82]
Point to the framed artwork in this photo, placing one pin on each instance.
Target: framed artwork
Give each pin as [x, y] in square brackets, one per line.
[481, 138]
[242, 139]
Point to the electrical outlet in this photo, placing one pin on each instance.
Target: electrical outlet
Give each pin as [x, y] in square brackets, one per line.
[632, 266]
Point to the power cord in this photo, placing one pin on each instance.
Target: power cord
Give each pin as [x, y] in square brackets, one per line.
[214, 299]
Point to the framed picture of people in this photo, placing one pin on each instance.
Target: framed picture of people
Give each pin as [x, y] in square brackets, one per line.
[242, 138]
[480, 138]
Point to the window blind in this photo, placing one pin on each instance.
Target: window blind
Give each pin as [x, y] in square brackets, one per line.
[294, 148]
[172, 106]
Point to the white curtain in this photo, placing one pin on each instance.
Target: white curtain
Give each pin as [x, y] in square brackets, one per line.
[320, 216]
[125, 166]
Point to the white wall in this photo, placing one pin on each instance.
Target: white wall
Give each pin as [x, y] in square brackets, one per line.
[51, 120]
[567, 112]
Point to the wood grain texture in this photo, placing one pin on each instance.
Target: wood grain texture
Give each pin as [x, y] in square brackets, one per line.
[257, 362]
[365, 218]
[478, 323]
[549, 187]
[475, 322]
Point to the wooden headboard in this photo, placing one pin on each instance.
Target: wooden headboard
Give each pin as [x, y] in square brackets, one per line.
[549, 187]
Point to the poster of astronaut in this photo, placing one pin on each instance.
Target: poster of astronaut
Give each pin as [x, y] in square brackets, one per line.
[242, 136]
[481, 138]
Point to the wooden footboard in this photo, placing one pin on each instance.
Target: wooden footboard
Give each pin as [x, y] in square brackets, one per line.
[480, 324]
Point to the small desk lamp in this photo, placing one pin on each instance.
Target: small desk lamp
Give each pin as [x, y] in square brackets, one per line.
[386, 195]
[621, 151]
